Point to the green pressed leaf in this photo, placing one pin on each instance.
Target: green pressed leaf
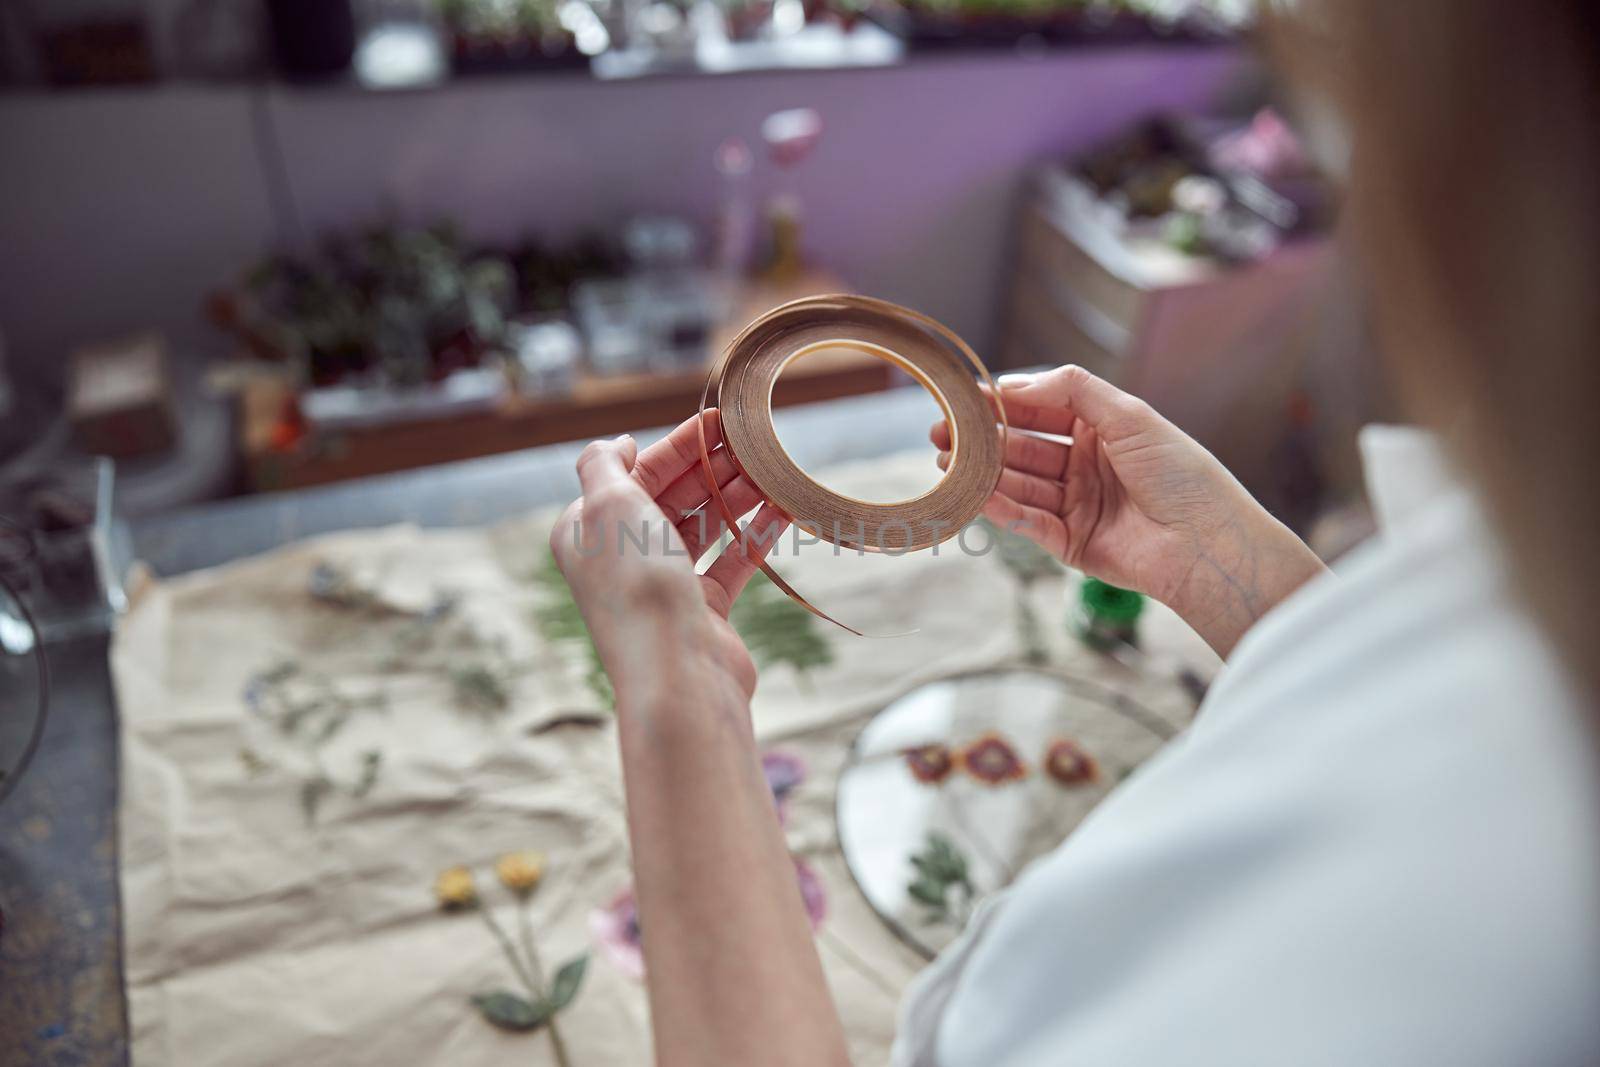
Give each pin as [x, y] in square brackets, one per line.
[312, 792]
[940, 867]
[560, 621]
[943, 857]
[568, 979]
[478, 688]
[331, 726]
[280, 672]
[511, 1012]
[371, 764]
[777, 630]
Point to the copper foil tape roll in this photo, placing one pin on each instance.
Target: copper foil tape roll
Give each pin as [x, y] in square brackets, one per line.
[740, 386]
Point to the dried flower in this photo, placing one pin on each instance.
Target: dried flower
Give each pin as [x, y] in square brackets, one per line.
[941, 881]
[520, 871]
[930, 764]
[615, 929]
[784, 771]
[1069, 764]
[811, 893]
[993, 761]
[455, 889]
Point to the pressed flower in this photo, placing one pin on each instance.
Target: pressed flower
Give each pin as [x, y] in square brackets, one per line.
[930, 764]
[615, 928]
[784, 771]
[520, 871]
[1069, 764]
[455, 889]
[811, 893]
[992, 760]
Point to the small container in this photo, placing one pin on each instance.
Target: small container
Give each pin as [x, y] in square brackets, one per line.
[548, 354]
[1107, 616]
[615, 334]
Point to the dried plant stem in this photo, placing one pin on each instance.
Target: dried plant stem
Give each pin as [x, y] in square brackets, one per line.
[525, 930]
[511, 952]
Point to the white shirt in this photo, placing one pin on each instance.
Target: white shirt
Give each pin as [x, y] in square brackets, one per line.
[1378, 844]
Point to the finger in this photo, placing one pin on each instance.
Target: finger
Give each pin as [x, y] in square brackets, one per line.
[1025, 452]
[940, 432]
[726, 577]
[1032, 491]
[1043, 417]
[1042, 456]
[1073, 389]
[1029, 489]
[662, 463]
[1083, 464]
[689, 492]
[603, 466]
[1044, 528]
[700, 529]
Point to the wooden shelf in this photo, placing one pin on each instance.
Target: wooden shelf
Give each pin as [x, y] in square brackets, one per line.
[596, 407]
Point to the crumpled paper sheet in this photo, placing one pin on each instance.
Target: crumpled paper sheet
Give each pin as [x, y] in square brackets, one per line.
[253, 938]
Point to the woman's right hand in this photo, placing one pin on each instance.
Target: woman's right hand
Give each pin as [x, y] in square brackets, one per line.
[1136, 502]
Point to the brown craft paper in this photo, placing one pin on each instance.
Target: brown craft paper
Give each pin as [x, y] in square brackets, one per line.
[740, 386]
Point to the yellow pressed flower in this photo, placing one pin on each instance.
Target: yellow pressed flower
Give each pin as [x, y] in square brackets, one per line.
[520, 871]
[455, 889]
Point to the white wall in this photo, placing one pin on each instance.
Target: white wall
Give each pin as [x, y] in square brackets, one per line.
[119, 209]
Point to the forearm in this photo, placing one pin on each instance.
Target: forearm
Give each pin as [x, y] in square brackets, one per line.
[1242, 571]
[733, 972]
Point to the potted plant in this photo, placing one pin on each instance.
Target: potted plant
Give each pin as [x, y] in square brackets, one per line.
[499, 36]
[386, 311]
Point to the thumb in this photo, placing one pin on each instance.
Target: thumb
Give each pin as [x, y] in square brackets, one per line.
[605, 463]
[1096, 401]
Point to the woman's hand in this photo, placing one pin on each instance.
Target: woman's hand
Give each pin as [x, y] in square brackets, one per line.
[1136, 502]
[731, 968]
[628, 547]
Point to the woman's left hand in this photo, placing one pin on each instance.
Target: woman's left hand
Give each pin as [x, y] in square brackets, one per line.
[628, 548]
[732, 971]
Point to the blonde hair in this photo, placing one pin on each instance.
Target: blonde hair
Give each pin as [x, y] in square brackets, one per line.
[1474, 130]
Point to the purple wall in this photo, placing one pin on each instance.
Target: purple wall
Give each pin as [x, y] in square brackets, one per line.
[118, 209]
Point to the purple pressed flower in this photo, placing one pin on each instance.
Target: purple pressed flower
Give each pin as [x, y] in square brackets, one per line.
[784, 771]
[816, 900]
[615, 928]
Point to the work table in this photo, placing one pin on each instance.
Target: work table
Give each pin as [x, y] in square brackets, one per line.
[61, 992]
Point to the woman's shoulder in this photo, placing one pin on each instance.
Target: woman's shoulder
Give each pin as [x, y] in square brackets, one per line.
[1379, 843]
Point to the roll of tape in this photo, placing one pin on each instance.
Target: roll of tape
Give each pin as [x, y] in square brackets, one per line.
[740, 387]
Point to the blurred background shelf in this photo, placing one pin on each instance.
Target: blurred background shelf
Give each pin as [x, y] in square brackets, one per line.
[415, 44]
[597, 406]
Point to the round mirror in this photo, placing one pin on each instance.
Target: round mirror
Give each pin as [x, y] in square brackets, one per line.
[950, 791]
[23, 689]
